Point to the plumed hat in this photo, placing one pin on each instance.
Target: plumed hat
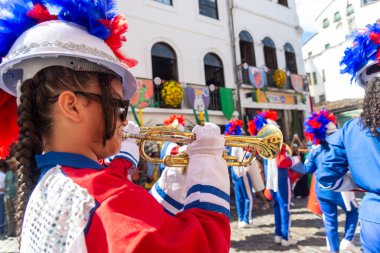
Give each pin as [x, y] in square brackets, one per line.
[318, 125]
[261, 119]
[176, 120]
[84, 35]
[234, 127]
[362, 59]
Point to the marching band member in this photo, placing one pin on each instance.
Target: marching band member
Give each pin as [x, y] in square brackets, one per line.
[73, 96]
[277, 181]
[317, 127]
[241, 179]
[171, 148]
[355, 147]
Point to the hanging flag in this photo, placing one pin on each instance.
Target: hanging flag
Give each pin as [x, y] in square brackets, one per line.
[297, 82]
[198, 98]
[227, 102]
[256, 77]
[144, 94]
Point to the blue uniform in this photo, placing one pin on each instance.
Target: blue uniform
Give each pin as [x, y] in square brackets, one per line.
[281, 205]
[243, 188]
[329, 201]
[282, 196]
[356, 148]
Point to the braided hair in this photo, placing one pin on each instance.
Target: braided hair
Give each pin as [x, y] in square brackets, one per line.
[370, 117]
[35, 121]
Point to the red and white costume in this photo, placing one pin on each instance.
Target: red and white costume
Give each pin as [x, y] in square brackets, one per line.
[81, 206]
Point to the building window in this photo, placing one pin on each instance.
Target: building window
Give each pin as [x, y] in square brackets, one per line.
[247, 53]
[314, 80]
[323, 75]
[167, 2]
[326, 23]
[308, 77]
[270, 53]
[327, 46]
[322, 98]
[337, 17]
[164, 66]
[350, 9]
[208, 8]
[214, 74]
[290, 58]
[283, 2]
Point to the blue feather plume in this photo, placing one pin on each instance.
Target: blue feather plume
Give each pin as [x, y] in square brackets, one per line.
[259, 121]
[85, 13]
[315, 126]
[361, 52]
[13, 22]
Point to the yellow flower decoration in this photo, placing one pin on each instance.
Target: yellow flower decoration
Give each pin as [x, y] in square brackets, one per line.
[172, 93]
[279, 78]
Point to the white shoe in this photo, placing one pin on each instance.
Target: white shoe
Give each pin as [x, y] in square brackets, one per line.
[289, 242]
[243, 224]
[277, 239]
[349, 246]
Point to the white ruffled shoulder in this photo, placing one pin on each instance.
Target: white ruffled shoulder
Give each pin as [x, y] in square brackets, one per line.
[57, 213]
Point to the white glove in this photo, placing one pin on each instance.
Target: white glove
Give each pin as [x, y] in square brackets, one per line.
[207, 183]
[131, 128]
[348, 199]
[208, 141]
[129, 148]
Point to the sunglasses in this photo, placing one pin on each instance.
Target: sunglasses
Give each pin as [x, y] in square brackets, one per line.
[122, 105]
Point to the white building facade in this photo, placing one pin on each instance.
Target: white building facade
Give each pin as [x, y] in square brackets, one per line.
[197, 38]
[323, 52]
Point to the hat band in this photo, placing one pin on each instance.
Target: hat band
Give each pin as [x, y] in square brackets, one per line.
[59, 44]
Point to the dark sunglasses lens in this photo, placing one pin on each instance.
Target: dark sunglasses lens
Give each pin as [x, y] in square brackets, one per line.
[123, 114]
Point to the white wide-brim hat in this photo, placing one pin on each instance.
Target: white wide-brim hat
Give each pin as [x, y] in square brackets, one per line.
[60, 43]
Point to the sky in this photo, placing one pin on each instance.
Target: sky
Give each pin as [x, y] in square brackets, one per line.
[307, 11]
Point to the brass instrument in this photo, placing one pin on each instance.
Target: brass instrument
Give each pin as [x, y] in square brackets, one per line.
[266, 143]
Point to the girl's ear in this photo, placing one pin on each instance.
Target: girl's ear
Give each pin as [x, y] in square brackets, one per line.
[68, 104]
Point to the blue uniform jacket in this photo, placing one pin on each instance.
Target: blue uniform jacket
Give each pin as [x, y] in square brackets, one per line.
[312, 164]
[354, 147]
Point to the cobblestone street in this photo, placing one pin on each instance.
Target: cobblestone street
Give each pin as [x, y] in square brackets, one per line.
[306, 227]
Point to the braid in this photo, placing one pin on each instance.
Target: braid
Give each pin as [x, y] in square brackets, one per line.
[35, 119]
[370, 117]
[29, 144]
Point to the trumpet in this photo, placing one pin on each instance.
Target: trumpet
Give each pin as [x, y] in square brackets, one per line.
[267, 143]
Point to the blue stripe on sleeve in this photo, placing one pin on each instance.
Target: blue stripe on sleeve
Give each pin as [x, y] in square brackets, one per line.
[209, 189]
[209, 207]
[167, 198]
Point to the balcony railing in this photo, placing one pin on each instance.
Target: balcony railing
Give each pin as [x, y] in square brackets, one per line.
[215, 101]
[269, 80]
[214, 98]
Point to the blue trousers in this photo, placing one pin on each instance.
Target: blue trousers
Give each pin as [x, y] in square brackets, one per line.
[281, 204]
[243, 197]
[369, 236]
[2, 214]
[330, 220]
